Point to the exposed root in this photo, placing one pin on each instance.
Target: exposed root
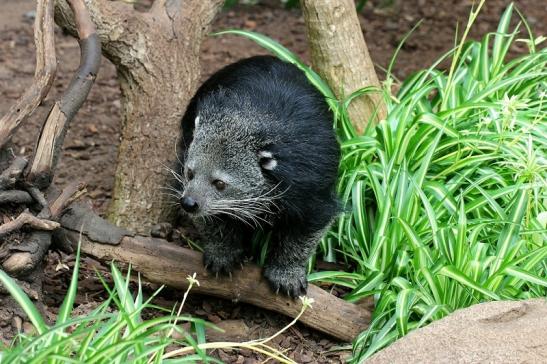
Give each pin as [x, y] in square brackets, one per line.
[27, 219]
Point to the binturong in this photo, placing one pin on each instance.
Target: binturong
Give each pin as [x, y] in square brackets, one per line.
[259, 152]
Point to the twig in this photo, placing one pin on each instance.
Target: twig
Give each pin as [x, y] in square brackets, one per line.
[54, 130]
[11, 174]
[26, 218]
[70, 193]
[44, 75]
[38, 196]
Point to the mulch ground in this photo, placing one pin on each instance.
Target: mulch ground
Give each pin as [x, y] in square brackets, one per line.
[91, 144]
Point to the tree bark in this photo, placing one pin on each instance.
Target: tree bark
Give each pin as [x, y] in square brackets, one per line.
[156, 55]
[340, 55]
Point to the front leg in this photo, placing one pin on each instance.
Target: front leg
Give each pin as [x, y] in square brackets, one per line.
[285, 269]
[222, 245]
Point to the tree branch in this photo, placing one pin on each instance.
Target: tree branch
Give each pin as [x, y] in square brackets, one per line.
[26, 218]
[11, 174]
[69, 194]
[162, 262]
[55, 128]
[44, 75]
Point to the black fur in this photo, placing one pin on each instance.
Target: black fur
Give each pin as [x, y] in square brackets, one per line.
[297, 130]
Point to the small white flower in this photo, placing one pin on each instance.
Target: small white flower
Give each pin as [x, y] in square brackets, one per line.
[306, 301]
[509, 105]
[486, 120]
[192, 279]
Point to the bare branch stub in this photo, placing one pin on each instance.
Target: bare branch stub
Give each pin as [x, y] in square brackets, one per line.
[25, 258]
[44, 75]
[67, 196]
[11, 174]
[55, 128]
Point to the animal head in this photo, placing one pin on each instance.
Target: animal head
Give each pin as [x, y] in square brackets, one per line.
[228, 163]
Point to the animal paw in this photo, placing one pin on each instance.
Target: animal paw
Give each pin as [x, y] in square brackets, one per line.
[222, 263]
[291, 281]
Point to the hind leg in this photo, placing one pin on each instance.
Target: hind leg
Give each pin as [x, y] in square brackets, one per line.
[286, 266]
[222, 245]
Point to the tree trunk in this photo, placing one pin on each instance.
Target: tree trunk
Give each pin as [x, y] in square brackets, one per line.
[340, 56]
[156, 55]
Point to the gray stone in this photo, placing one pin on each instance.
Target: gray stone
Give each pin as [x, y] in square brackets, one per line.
[492, 332]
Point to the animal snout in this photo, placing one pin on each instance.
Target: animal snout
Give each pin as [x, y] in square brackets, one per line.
[189, 204]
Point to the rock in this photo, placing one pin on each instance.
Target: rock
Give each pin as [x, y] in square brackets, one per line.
[492, 332]
[233, 330]
[29, 329]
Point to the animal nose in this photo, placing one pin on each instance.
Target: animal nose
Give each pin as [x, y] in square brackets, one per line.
[189, 204]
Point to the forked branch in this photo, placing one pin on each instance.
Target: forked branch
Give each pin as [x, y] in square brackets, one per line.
[63, 111]
[46, 65]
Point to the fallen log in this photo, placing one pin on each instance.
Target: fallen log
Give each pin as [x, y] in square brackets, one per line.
[162, 262]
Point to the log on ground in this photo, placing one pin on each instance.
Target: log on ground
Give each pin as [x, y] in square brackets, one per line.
[162, 262]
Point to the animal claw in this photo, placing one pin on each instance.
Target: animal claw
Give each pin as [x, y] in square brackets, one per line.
[230, 275]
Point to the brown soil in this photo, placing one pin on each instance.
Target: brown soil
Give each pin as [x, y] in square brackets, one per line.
[90, 147]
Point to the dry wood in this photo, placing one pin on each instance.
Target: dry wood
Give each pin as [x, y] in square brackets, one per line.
[70, 193]
[54, 130]
[26, 218]
[11, 174]
[15, 197]
[37, 196]
[156, 55]
[340, 55]
[44, 75]
[25, 257]
[162, 262]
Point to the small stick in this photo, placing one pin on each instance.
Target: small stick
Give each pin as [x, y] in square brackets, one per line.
[38, 196]
[70, 193]
[26, 218]
[12, 173]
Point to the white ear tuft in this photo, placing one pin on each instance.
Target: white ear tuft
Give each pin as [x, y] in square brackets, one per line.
[196, 122]
[269, 164]
[265, 154]
[267, 160]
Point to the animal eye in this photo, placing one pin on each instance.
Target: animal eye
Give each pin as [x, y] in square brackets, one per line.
[219, 185]
[190, 174]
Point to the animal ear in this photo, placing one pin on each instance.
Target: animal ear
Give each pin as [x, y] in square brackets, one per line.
[267, 160]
